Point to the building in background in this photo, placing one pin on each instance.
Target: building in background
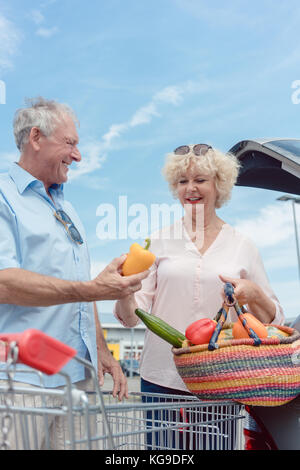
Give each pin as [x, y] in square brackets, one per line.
[121, 340]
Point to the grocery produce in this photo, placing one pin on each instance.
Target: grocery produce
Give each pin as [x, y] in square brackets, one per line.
[257, 326]
[139, 259]
[274, 332]
[226, 333]
[161, 328]
[200, 331]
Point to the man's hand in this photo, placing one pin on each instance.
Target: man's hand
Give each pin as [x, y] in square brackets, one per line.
[111, 285]
[107, 364]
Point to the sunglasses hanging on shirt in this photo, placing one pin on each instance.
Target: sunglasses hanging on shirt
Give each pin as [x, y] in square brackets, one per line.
[70, 228]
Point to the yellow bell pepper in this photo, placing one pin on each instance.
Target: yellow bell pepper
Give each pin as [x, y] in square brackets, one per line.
[139, 259]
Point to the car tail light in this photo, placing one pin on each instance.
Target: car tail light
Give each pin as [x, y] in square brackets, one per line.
[256, 435]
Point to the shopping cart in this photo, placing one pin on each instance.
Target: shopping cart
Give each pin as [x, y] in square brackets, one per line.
[36, 417]
[150, 421]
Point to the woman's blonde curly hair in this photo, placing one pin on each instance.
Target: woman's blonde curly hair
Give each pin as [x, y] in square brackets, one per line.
[224, 168]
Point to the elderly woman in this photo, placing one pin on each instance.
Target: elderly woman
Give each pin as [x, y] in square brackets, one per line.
[186, 282]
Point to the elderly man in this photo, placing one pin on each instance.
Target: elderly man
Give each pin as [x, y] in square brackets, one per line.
[44, 261]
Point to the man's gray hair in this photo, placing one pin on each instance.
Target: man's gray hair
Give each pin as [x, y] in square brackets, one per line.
[41, 113]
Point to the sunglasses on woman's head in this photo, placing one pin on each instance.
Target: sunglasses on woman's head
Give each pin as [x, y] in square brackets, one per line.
[71, 230]
[198, 149]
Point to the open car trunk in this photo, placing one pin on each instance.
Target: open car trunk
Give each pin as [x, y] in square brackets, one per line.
[270, 164]
[274, 164]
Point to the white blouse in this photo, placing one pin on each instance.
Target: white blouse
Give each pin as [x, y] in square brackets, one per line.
[184, 286]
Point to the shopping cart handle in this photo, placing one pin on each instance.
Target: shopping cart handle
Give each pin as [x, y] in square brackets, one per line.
[40, 351]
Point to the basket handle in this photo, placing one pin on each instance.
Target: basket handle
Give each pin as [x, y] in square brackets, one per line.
[221, 319]
[229, 294]
[230, 301]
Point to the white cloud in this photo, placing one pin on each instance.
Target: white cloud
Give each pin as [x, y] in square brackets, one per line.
[283, 257]
[9, 41]
[94, 154]
[95, 182]
[144, 115]
[170, 94]
[287, 291]
[47, 32]
[272, 230]
[272, 226]
[37, 17]
[114, 131]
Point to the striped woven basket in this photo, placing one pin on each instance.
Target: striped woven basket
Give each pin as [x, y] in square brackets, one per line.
[264, 375]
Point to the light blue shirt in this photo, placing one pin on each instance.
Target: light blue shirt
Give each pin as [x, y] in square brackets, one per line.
[32, 238]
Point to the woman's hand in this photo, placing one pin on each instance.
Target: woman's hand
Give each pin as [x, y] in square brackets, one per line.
[245, 290]
[248, 292]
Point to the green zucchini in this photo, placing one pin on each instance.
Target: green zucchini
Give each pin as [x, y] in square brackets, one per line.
[161, 328]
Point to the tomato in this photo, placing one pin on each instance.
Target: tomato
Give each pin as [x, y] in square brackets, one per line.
[238, 331]
[200, 331]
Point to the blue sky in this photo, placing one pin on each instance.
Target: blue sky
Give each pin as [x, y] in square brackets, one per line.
[145, 77]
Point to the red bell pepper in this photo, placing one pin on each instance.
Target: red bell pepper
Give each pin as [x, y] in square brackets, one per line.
[200, 331]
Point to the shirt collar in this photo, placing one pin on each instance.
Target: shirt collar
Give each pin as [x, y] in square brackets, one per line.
[23, 179]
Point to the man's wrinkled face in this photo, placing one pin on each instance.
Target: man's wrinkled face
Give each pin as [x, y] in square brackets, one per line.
[58, 151]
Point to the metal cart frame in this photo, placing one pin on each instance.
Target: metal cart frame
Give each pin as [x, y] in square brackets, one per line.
[95, 420]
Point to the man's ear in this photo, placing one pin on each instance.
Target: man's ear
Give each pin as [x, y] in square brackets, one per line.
[35, 137]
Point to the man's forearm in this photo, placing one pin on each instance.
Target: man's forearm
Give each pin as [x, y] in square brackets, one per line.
[26, 288]
[30, 289]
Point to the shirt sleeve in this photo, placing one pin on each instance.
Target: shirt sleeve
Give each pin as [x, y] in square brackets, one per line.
[145, 296]
[9, 246]
[259, 276]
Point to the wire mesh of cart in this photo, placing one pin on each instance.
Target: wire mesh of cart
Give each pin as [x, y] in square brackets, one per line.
[150, 421]
[37, 418]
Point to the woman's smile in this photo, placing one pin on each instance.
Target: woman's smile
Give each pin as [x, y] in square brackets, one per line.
[193, 199]
[194, 188]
